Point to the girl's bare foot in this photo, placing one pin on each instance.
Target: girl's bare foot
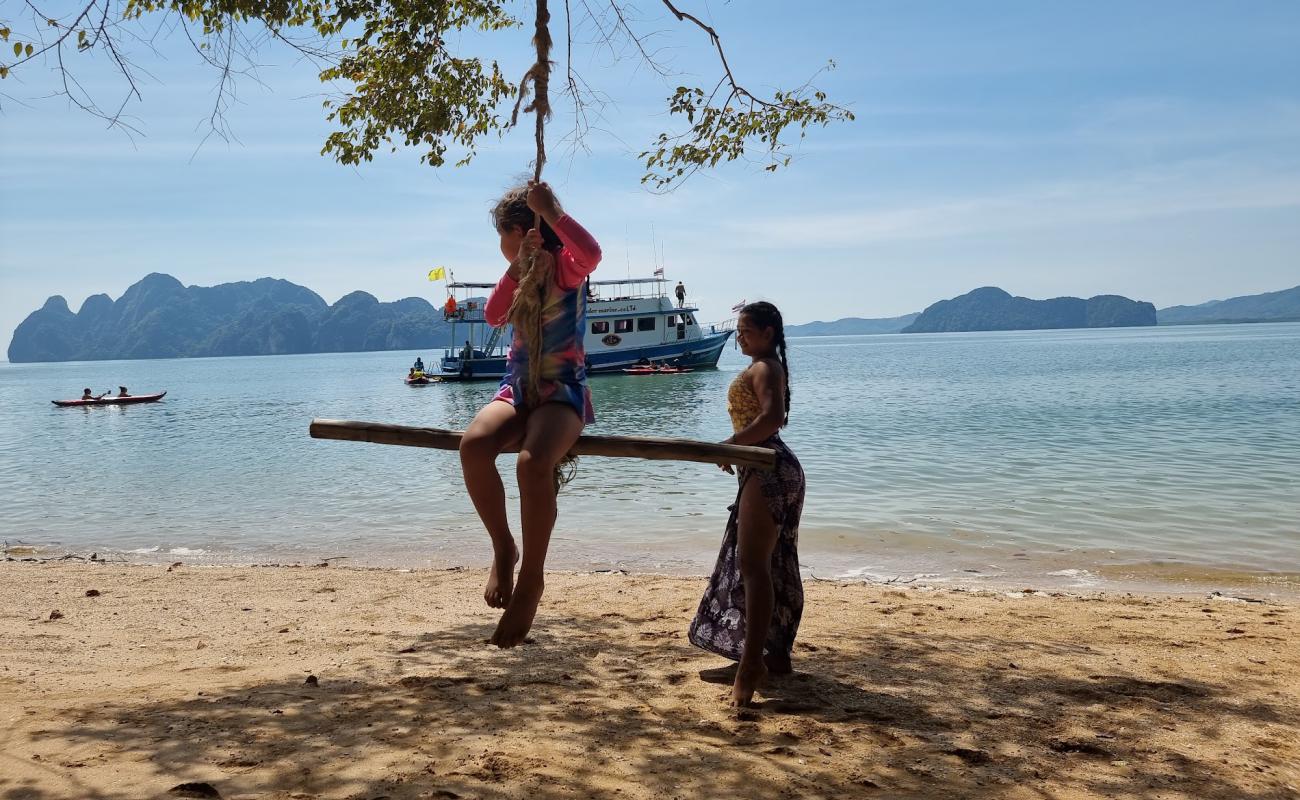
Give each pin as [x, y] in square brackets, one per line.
[501, 579]
[518, 618]
[778, 663]
[748, 678]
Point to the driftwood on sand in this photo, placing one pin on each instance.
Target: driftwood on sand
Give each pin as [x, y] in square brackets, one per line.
[652, 447]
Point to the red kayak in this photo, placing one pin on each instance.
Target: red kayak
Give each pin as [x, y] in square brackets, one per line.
[112, 401]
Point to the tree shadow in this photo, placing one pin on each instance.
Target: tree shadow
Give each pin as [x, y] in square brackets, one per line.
[597, 704]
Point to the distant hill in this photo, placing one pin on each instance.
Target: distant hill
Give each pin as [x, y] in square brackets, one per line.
[1268, 307]
[159, 317]
[992, 309]
[852, 326]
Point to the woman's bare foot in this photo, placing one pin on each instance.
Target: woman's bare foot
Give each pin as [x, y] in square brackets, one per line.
[518, 617]
[501, 579]
[748, 678]
[778, 663]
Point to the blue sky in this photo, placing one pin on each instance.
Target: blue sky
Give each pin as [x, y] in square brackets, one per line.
[1148, 149]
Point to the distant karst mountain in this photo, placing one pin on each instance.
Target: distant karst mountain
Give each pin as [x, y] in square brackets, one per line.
[852, 326]
[992, 309]
[159, 317]
[1280, 306]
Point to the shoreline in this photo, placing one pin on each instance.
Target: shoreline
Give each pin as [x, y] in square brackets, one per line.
[1159, 578]
[172, 675]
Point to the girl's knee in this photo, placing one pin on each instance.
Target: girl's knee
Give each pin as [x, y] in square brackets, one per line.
[531, 467]
[477, 447]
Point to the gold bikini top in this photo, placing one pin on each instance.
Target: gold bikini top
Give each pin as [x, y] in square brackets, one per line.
[742, 403]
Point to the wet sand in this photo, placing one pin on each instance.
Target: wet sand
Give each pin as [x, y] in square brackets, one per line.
[305, 683]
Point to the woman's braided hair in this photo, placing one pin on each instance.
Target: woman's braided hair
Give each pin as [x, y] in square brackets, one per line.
[765, 315]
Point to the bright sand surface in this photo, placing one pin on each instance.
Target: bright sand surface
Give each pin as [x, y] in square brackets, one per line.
[201, 675]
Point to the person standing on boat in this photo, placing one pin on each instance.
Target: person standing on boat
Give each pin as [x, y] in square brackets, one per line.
[751, 610]
[681, 294]
[543, 402]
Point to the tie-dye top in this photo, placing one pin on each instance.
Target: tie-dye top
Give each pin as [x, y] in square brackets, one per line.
[564, 317]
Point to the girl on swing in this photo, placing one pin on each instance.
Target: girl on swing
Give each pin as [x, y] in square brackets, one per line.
[751, 610]
[543, 402]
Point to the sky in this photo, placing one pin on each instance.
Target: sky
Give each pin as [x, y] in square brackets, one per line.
[1062, 148]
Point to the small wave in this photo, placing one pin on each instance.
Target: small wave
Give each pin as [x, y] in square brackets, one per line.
[185, 551]
[1082, 577]
[144, 550]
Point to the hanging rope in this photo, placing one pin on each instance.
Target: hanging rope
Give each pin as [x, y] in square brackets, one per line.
[539, 76]
[525, 312]
[541, 104]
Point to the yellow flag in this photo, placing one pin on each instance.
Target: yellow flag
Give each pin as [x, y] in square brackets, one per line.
[437, 274]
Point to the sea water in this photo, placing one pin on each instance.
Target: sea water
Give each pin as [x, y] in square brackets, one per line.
[1081, 458]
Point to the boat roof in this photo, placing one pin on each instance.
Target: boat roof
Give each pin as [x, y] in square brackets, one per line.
[463, 285]
[628, 280]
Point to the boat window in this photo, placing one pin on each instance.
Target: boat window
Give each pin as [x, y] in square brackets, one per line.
[690, 320]
[600, 327]
[672, 320]
[645, 323]
[622, 326]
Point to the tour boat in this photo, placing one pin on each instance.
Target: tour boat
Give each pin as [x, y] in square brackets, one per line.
[629, 322]
[111, 401]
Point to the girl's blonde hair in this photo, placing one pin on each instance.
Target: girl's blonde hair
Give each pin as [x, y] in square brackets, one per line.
[525, 313]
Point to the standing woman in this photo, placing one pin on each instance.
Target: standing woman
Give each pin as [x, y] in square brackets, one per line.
[752, 608]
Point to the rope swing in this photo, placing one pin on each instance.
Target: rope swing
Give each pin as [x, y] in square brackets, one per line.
[525, 312]
[525, 315]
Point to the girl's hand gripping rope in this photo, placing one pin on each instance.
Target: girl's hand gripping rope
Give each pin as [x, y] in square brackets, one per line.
[543, 203]
[528, 249]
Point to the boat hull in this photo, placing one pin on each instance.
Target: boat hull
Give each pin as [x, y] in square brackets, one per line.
[701, 353]
[111, 401]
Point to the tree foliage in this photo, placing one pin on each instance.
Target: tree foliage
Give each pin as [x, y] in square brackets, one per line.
[398, 82]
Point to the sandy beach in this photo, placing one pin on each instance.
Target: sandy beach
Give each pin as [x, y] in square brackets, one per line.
[304, 683]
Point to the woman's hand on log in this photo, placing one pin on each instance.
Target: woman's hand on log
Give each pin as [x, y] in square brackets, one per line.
[727, 467]
[542, 201]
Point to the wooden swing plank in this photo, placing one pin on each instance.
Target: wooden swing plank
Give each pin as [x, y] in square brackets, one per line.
[651, 447]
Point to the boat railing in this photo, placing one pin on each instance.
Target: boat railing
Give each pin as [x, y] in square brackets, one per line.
[627, 289]
[723, 326]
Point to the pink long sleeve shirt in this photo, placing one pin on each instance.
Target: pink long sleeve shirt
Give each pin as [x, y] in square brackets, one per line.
[576, 260]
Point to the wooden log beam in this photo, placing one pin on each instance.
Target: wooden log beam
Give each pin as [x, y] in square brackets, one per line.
[652, 447]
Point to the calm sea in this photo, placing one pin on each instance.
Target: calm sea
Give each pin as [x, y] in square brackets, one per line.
[1106, 458]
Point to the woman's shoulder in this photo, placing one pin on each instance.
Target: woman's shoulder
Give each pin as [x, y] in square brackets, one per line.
[770, 365]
